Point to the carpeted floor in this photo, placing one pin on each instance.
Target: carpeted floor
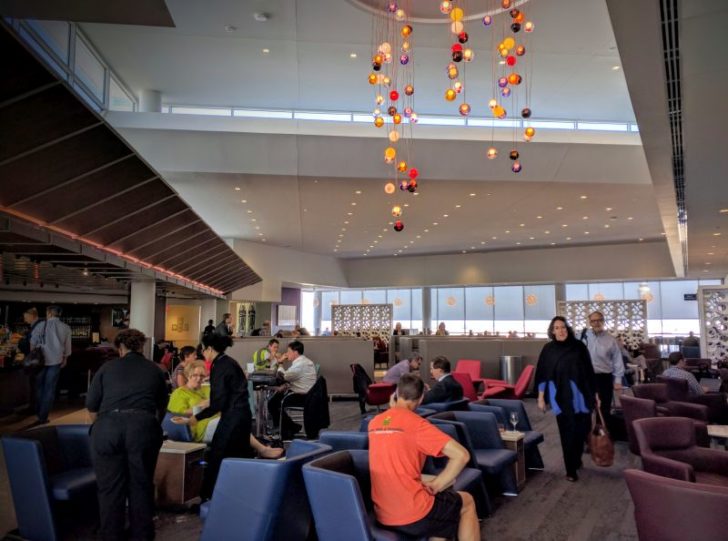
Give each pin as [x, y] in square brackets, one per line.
[549, 508]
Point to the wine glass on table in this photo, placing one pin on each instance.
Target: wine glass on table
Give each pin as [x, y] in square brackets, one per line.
[514, 420]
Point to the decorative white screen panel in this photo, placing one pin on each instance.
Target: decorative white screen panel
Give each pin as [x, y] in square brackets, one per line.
[628, 318]
[713, 305]
[367, 319]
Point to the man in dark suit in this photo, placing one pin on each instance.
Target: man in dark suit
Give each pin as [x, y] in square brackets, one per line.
[446, 389]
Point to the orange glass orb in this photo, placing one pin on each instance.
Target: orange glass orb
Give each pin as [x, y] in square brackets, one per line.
[389, 188]
[406, 31]
[514, 79]
[397, 118]
[464, 109]
[409, 90]
[450, 94]
[379, 122]
[390, 153]
[378, 58]
[519, 18]
[402, 167]
[520, 50]
[372, 78]
[530, 132]
[506, 4]
[499, 111]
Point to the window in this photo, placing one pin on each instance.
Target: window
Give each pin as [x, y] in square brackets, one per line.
[90, 70]
[450, 309]
[55, 34]
[119, 100]
[508, 309]
[479, 309]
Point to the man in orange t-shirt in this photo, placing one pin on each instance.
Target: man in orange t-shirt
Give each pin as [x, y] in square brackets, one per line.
[399, 442]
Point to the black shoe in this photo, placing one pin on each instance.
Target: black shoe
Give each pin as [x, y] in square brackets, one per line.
[573, 478]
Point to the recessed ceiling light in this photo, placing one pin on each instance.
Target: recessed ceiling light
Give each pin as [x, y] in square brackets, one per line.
[568, 238]
[706, 270]
[262, 240]
[458, 206]
[406, 205]
[494, 238]
[608, 209]
[586, 232]
[547, 232]
[585, 217]
[341, 234]
[606, 226]
[708, 263]
[376, 242]
[346, 222]
[427, 230]
[350, 214]
[435, 223]
[559, 208]
[352, 55]
[630, 218]
[522, 225]
[419, 236]
[564, 225]
[335, 250]
[343, 229]
[266, 51]
[358, 192]
[582, 197]
[465, 251]
[412, 242]
[640, 239]
[482, 242]
[553, 244]
[531, 238]
[260, 234]
[518, 244]
[445, 215]
[257, 227]
[385, 229]
[472, 195]
[723, 211]
[353, 204]
[663, 233]
[615, 68]
[379, 236]
[253, 220]
[711, 253]
[237, 188]
[249, 211]
[416, 193]
[508, 231]
[539, 217]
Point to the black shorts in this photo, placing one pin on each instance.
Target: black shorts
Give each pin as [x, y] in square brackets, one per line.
[442, 520]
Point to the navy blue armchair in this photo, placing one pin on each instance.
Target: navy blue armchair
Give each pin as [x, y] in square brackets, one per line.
[531, 438]
[478, 433]
[48, 467]
[249, 498]
[340, 440]
[453, 405]
[174, 431]
[339, 489]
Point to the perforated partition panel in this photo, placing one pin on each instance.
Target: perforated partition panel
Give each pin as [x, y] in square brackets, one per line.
[367, 319]
[628, 318]
[713, 305]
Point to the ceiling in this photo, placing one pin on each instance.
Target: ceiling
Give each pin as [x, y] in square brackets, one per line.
[299, 182]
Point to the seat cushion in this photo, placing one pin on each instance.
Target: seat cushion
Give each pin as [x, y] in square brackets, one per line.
[492, 461]
[204, 510]
[531, 437]
[710, 478]
[70, 484]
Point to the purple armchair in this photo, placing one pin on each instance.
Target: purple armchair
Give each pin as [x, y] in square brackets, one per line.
[667, 446]
[670, 510]
[677, 391]
[642, 408]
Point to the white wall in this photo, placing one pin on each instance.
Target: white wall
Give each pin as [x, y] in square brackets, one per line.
[608, 262]
[279, 266]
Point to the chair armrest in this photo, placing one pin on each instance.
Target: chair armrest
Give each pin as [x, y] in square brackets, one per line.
[687, 409]
[710, 460]
[666, 467]
[701, 433]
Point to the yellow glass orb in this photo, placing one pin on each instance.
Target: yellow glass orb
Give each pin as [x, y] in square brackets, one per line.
[452, 72]
[397, 118]
[509, 43]
[468, 55]
[402, 167]
[385, 48]
[399, 15]
[499, 111]
[530, 132]
[379, 99]
[379, 122]
[372, 78]
[388, 58]
[389, 188]
[503, 52]
[456, 27]
[406, 31]
[390, 153]
[457, 14]
[393, 136]
[527, 138]
[492, 103]
[396, 211]
[386, 81]
[450, 94]
[405, 46]
[492, 153]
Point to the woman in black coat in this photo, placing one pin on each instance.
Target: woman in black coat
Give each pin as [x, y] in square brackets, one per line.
[228, 396]
[565, 381]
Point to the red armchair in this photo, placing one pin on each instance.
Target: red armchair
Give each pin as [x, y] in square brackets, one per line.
[668, 448]
[511, 391]
[471, 368]
[671, 510]
[467, 384]
[378, 393]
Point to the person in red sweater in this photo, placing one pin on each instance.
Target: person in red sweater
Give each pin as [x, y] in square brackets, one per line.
[399, 442]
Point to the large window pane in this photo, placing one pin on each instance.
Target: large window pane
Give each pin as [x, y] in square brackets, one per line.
[401, 306]
[610, 291]
[451, 309]
[89, 69]
[327, 299]
[417, 307]
[577, 292]
[350, 296]
[54, 34]
[307, 311]
[479, 309]
[674, 305]
[508, 309]
[118, 99]
[374, 296]
[540, 302]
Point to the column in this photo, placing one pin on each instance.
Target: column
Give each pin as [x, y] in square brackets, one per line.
[141, 311]
[150, 101]
[559, 294]
[317, 313]
[426, 310]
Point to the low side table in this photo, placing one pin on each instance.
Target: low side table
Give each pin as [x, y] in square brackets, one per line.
[178, 476]
[719, 434]
[514, 442]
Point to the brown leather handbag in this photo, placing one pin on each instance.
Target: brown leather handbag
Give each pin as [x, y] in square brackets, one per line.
[602, 447]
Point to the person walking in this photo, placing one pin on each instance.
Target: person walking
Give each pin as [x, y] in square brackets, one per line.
[127, 400]
[565, 381]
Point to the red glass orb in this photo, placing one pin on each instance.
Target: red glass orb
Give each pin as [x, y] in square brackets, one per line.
[398, 225]
[526, 112]
[413, 173]
[511, 60]
[412, 186]
[457, 56]
[520, 50]
[394, 95]
[456, 47]
[463, 37]
[391, 110]
[513, 155]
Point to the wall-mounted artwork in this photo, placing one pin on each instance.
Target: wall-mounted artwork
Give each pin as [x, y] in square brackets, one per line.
[120, 318]
[286, 315]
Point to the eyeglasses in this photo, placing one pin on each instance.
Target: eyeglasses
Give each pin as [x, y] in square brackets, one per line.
[600, 320]
[197, 376]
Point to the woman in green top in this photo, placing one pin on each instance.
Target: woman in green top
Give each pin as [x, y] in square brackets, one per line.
[193, 397]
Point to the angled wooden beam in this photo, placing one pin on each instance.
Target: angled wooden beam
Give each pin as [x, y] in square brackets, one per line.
[51, 143]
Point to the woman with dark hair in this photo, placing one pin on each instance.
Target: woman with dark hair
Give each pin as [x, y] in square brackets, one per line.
[565, 381]
[126, 400]
[229, 397]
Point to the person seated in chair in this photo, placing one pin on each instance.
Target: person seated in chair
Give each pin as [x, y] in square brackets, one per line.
[402, 367]
[268, 357]
[677, 371]
[446, 389]
[399, 442]
[299, 379]
[192, 398]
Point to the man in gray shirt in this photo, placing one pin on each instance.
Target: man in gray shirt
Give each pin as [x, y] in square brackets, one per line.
[606, 358]
[54, 338]
[402, 367]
